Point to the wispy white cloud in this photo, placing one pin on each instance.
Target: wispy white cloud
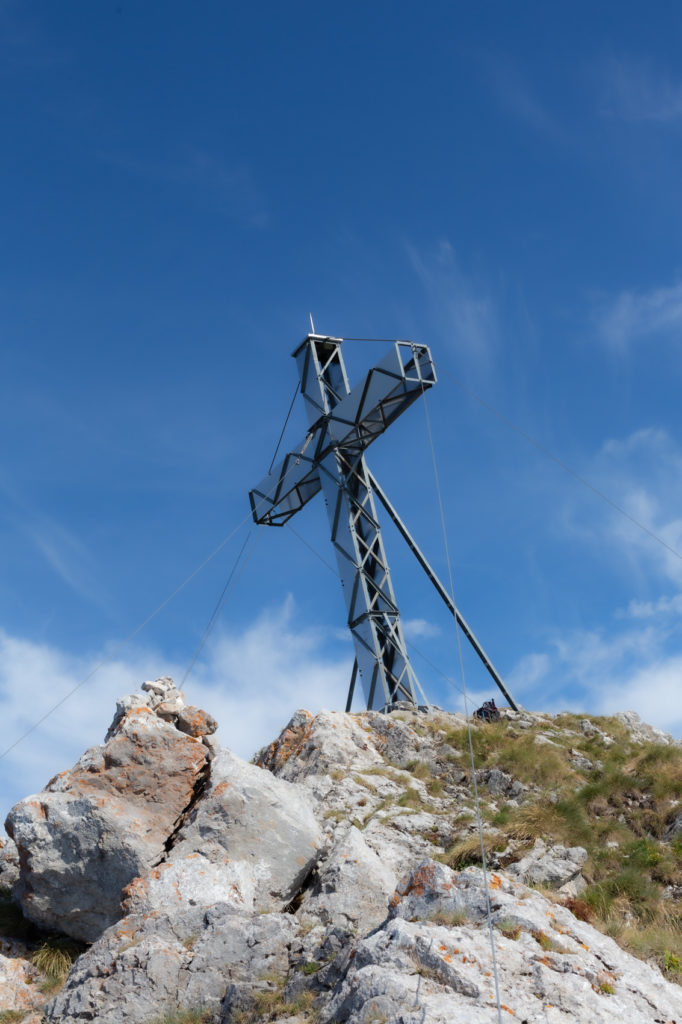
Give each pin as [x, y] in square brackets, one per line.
[464, 308]
[601, 672]
[517, 97]
[414, 628]
[634, 89]
[664, 606]
[642, 475]
[634, 317]
[62, 550]
[251, 681]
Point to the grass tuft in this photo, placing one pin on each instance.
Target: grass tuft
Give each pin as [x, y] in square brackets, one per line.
[54, 959]
[198, 1015]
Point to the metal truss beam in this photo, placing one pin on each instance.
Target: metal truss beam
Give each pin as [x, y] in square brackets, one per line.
[339, 418]
[450, 604]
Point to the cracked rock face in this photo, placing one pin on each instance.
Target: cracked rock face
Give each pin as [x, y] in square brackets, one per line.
[416, 969]
[250, 840]
[95, 828]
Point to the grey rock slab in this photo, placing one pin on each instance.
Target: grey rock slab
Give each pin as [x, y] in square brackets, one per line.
[9, 864]
[251, 840]
[499, 783]
[553, 866]
[390, 837]
[641, 732]
[95, 828]
[395, 740]
[353, 887]
[147, 966]
[319, 745]
[417, 971]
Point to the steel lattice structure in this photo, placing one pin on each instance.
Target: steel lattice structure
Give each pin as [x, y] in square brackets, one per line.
[331, 458]
[343, 423]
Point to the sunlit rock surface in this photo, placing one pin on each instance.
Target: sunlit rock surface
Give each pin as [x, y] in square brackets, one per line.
[312, 885]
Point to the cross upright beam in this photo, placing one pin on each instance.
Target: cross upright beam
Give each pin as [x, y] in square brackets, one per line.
[343, 423]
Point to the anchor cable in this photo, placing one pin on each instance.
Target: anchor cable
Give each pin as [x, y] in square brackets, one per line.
[298, 384]
[220, 604]
[479, 817]
[119, 647]
[131, 636]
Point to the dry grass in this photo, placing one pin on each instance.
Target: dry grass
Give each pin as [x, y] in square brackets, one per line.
[509, 929]
[410, 798]
[468, 851]
[271, 1005]
[450, 918]
[54, 959]
[198, 1015]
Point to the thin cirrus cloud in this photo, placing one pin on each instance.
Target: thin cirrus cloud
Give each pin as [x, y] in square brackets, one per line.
[634, 317]
[634, 90]
[62, 550]
[464, 309]
[517, 98]
[602, 671]
[229, 187]
[642, 474]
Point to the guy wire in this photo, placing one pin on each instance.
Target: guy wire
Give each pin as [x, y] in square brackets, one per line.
[213, 618]
[119, 647]
[479, 818]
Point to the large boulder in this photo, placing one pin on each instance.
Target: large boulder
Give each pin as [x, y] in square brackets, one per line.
[98, 826]
[250, 840]
[150, 965]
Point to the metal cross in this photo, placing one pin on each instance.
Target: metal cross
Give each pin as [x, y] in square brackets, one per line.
[343, 423]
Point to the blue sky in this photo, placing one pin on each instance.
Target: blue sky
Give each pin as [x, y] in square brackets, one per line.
[181, 186]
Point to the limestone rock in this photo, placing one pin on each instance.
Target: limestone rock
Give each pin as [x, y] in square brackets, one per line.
[557, 969]
[318, 745]
[316, 877]
[9, 864]
[554, 866]
[146, 966]
[18, 978]
[250, 840]
[641, 732]
[196, 722]
[95, 828]
[353, 888]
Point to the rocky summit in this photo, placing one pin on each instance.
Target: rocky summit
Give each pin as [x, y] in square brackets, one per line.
[406, 868]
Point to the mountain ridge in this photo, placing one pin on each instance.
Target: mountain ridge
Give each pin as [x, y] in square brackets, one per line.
[339, 877]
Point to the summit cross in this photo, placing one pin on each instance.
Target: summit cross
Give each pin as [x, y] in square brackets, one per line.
[331, 458]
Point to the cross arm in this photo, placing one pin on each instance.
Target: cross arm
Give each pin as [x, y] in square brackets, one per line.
[290, 486]
[352, 424]
[390, 388]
